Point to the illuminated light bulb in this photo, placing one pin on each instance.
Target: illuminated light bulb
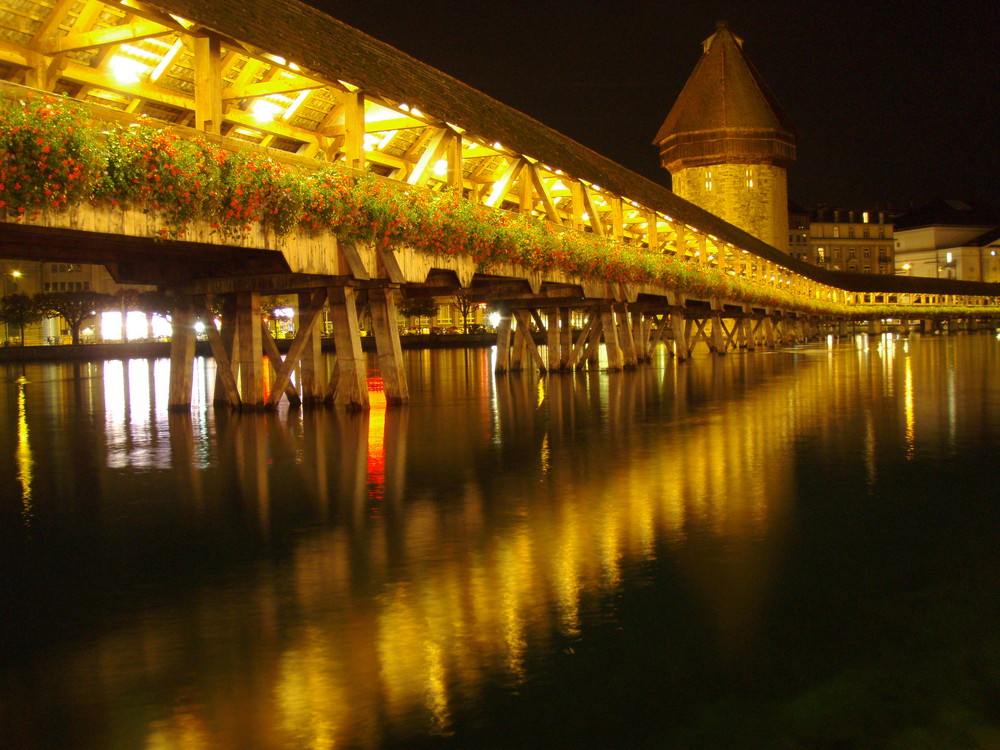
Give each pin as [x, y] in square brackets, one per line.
[264, 111]
[126, 70]
[441, 167]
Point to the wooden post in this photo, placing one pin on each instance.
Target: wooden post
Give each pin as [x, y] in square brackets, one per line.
[748, 334]
[565, 338]
[312, 368]
[207, 83]
[718, 340]
[251, 348]
[503, 342]
[768, 330]
[524, 334]
[625, 340]
[229, 340]
[681, 350]
[610, 329]
[181, 355]
[552, 340]
[390, 353]
[352, 383]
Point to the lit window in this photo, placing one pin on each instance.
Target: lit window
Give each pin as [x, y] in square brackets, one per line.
[836, 232]
[708, 180]
[864, 218]
[749, 176]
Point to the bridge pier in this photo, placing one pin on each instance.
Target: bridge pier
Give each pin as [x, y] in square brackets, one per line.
[351, 387]
[181, 355]
[390, 352]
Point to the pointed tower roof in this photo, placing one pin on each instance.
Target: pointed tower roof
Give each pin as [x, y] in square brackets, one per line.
[725, 113]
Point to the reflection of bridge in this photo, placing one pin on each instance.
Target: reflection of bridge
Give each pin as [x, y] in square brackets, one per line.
[596, 480]
[641, 265]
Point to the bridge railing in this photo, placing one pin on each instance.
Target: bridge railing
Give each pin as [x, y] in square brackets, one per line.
[696, 263]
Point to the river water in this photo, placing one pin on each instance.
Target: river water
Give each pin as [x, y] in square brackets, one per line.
[788, 549]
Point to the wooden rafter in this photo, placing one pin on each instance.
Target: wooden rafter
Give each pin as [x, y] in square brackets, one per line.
[130, 32]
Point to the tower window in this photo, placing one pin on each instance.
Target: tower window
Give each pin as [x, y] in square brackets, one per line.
[708, 180]
[749, 177]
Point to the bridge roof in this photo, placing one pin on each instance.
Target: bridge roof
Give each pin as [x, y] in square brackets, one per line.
[337, 51]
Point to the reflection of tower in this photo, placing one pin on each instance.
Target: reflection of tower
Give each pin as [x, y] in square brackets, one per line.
[727, 142]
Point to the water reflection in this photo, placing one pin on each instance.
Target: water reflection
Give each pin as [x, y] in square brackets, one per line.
[407, 560]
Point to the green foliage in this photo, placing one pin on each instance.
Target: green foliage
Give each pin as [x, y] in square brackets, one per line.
[419, 307]
[19, 310]
[158, 170]
[52, 156]
[49, 157]
[74, 307]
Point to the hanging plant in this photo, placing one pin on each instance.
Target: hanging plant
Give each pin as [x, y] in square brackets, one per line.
[49, 157]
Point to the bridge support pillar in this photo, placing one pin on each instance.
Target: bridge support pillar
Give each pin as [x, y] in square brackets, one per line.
[625, 340]
[768, 331]
[352, 374]
[312, 368]
[875, 327]
[718, 334]
[553, 340]
[679, 327]
[230, 341]
[390, 353]
[565, 339]
[250, 352]
[503, 342]
[181, 355]
[927, 325]
[610, 329]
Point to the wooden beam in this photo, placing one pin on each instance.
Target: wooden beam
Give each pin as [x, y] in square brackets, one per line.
[595, 220]
[279, 85]
[307, 323]
[223, 364]
[435, 148]
[208, 84]
[354, 124]
[543, 195]
[129, 32]
[502, 186]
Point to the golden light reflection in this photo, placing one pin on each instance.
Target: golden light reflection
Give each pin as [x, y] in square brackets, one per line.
[25, 463]
[908, 406]
[185, 730]
[410, 612]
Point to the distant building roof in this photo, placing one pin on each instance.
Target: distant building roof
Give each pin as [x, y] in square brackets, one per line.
[725, 112]
[986, 238]
[953, 213]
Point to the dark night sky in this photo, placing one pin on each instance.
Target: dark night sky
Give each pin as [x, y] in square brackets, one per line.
[895, 102]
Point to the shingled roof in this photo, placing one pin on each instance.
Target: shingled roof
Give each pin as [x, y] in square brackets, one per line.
[333, 49]
[725, 112]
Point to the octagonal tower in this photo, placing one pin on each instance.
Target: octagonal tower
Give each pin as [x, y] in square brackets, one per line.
[727, 142]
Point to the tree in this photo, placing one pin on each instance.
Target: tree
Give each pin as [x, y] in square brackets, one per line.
[74, 307]
[153, 302]
[466, 302]
[19, 310]
[418, 307]
[126, 300]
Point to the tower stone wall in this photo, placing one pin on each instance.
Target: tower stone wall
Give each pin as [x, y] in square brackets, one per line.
[753, 197]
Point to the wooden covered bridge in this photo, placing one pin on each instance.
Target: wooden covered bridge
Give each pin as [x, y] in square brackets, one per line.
[261, 147]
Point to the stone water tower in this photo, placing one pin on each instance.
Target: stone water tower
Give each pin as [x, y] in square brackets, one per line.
[727, 142]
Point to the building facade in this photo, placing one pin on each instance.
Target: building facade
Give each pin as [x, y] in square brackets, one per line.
[949, 240]
[856, 241]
